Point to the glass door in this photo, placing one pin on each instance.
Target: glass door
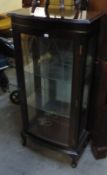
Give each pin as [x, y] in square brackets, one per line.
[48, 65]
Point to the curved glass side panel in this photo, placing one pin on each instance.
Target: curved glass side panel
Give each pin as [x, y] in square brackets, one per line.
[48, 64]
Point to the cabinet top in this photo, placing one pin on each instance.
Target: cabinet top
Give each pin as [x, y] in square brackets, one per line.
[25, 21]
[67, 15]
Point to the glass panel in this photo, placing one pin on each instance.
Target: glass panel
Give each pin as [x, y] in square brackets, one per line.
[87, 83]
[48, 78]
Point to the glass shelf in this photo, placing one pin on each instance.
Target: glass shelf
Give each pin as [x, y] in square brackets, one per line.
[52, 107]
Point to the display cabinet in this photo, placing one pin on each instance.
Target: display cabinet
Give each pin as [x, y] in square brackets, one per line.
[54, 60]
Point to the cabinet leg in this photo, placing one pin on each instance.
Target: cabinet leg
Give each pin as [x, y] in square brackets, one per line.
[74, 162]
[24, 139]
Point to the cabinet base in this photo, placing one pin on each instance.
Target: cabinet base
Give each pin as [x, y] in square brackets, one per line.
[74, 154]
[99, 152]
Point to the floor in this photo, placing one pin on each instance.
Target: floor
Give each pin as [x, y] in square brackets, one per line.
[35, 160]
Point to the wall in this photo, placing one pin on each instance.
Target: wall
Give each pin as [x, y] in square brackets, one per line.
[9, 5]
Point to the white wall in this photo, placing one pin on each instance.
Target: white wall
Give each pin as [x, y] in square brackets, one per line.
[9, 5]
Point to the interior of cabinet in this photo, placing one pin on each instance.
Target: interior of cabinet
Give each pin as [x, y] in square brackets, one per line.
[48, 79]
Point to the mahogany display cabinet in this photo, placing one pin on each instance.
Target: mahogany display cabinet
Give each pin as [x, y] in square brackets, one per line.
[54, 61]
